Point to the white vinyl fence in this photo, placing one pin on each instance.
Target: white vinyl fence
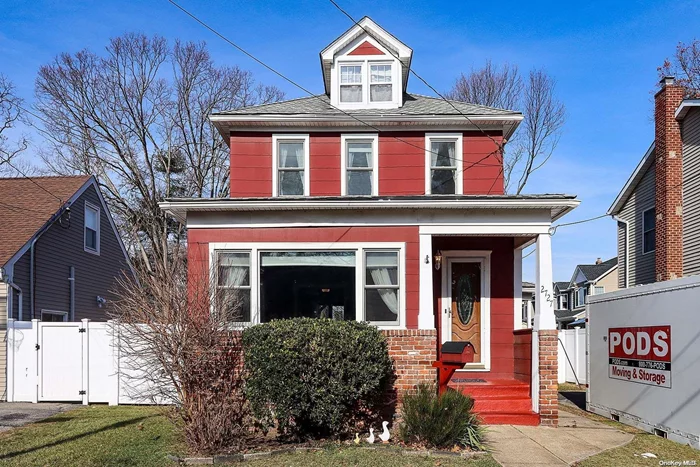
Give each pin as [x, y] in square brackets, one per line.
[572, 356]
[72, 362]
[644, 358]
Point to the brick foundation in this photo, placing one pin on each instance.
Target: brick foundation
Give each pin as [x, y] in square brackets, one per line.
[413, 352]
[548, 366]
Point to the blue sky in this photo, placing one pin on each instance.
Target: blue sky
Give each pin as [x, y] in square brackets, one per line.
[603, 54]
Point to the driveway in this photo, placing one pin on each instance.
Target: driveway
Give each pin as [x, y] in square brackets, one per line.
[14, 414]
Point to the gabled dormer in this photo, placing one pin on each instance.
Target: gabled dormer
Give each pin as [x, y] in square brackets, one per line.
[366, 68]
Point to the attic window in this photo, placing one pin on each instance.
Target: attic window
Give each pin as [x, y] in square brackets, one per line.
[92, 229]
[351, 83]
[380, 83]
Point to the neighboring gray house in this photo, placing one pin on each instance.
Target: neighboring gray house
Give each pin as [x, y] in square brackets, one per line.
[658, 209]
[588, 279]
[60, 253]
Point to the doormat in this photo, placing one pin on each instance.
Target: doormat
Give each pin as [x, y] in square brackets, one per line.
[468, 380]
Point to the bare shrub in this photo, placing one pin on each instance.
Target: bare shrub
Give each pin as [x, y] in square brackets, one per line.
[175, 347]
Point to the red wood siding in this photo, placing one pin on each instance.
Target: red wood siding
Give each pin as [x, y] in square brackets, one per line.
[486, 177]
[502, 339]
[324, 160]
[199, 239]
[401, 164]
[251, 164]
[523, 354]
[366, 49]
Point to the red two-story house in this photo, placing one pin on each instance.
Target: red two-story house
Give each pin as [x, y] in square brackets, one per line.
[370, 203]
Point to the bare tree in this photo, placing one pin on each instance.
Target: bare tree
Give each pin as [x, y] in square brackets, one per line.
[10, 115]
[137, 118]
[177, 346]
[685, 66]
[544, 115]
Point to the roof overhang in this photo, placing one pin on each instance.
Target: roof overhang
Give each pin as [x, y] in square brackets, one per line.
[685, 107]
[225, 124]
[632, 182]
[558, 205]
[365, 27]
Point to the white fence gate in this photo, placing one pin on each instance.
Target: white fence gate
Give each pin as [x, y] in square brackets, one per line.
[71, 362]
[572, 356]
[644, 358]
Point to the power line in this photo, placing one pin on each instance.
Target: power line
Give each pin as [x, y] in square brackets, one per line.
[294, 83]
[553, 229]
[7, 161]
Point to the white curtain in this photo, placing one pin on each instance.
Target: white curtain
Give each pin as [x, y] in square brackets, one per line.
[443, 154]
[231, 276]
[291, 157]
[390, 297]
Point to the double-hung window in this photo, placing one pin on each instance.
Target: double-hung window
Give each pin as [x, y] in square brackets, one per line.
[444, 164]
[351, 83]
[233, 285]
[649, 230]
[380, 87]
[563, 303]
[382, 287]
[581, 296]
[359, 165]
[92, 229]
[291, 160]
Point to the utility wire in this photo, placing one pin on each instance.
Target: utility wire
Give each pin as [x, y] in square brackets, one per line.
[294, 83]
[553, 229]
[8, 162]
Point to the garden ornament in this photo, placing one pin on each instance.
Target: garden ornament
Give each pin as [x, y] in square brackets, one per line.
[385, 434]
[370, 440]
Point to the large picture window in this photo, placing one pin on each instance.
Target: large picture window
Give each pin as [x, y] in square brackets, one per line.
[649, 230]
[444, 164]
[257, 283]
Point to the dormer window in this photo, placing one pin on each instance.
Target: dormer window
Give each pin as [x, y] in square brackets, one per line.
[351, 83]
[380, 89]
[355, 76]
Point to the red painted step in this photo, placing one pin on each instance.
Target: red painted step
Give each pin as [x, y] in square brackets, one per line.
[528, 419]
[500, 401]
[503, 404]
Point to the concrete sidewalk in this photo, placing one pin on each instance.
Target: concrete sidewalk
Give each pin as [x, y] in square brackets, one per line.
[575, 439]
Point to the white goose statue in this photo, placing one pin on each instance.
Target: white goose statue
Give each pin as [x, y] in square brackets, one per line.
[385, 434]
[370, 440]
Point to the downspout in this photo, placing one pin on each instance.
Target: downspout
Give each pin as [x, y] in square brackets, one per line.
[31, 277]
[627, 248]
[71, 280]
[19, 301]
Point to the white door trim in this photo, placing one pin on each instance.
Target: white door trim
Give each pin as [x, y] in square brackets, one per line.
[483, 257]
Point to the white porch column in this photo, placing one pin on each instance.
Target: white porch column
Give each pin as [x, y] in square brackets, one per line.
[517, 288]
[544, 295]
[426, 318]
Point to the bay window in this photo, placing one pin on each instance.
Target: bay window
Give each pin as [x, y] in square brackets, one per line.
[257, 283]
[359, 165]
[444, 164]
[290, 154]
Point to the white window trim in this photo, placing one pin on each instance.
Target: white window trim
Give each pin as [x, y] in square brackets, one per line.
[644, 230]
[54, 312]
[358, 248]
[595, 291]
[344, 139]
[459, 155]
[215, 278]
[578, 295]
[276, 138]
[89, 205]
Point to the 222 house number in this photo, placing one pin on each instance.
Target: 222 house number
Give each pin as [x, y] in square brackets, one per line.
[547, 296]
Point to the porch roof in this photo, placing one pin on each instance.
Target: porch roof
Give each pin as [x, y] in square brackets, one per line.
[558, 204]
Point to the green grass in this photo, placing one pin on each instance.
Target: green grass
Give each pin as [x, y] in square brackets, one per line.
[358, 457]
[629, 454]
[143, 436]
[93, 436]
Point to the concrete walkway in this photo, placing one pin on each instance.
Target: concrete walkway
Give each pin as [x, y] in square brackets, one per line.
[14, 414]
[575, 439]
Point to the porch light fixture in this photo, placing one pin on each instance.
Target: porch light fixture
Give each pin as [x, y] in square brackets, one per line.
[438, 260]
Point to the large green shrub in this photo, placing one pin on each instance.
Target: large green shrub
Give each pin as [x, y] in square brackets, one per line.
[310, 377]
[440, 420]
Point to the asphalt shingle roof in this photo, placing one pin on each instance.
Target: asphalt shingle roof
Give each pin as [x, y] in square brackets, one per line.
[414, 104]
[566, 314]
[561, 285]
[594, 271]
[25, 207]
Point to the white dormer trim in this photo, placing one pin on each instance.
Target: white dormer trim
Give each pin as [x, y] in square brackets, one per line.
[352, 34]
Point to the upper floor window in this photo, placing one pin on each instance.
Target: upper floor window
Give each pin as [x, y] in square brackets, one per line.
[366, 83]
[581, 296]
[290, 174]
[649, 230]
[92, 229]
[563, 302]
[359, 165]
[443, 154]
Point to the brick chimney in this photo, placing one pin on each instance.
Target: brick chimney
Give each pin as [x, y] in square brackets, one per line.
[599, 261]
[669, 173]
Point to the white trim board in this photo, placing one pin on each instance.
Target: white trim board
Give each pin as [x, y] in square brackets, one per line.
[276, 139]
[457, 138]
[360, 248]
[359, 137]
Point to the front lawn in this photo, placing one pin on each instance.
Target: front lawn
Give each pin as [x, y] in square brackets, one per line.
[93, 436]
[143, 436]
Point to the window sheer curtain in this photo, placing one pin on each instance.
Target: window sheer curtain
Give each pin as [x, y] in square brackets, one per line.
[386, 276]
[291, 157]
[359, 168]
[443, 167]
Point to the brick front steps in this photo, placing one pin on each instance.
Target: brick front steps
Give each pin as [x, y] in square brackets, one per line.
[500, 402]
